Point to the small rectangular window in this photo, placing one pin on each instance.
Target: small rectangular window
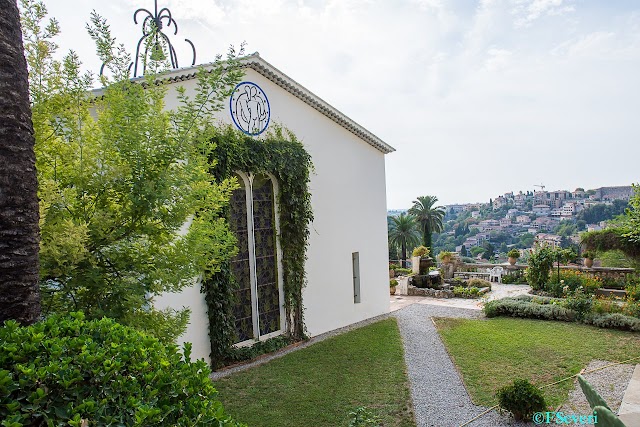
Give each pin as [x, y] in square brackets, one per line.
[355, 263]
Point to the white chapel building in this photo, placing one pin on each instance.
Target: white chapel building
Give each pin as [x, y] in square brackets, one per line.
[347, 261]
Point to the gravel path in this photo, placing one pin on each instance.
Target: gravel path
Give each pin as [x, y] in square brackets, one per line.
[610, 383]
[439, 396]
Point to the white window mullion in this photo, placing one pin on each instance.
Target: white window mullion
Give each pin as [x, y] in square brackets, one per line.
[252, 259]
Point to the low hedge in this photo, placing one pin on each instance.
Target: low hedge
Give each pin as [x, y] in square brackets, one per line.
[521, 307]
[68, 371]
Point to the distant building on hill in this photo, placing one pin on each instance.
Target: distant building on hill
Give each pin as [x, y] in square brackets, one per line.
[613, 193]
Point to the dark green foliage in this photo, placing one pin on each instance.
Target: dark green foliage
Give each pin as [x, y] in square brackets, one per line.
[602, 212]
[220, 300]
[540, 262]
[522, 399]
[611, 239]
[283, 156]
[592, 395]
[65, 370]
[429, 217]
[403, 234]
[262, 347]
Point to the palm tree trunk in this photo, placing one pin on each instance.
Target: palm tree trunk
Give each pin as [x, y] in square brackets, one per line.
[19, 232]
[404, 255]
[426, 236]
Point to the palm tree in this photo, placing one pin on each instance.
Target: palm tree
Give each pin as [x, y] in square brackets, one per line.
[403, 232]
[19, 235]
[428, 216]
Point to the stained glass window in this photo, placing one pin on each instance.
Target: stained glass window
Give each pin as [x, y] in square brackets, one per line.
[255, 266]
[240, 265]
[265, 244]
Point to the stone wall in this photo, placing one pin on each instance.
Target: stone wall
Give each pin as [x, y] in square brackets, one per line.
[428, 292]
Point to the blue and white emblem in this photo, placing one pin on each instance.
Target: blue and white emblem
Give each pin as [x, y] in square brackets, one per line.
[249, 108]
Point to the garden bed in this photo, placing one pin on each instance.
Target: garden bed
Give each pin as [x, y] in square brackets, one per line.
[601, 313]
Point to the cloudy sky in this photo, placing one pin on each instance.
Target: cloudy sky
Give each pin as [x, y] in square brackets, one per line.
[478, 97]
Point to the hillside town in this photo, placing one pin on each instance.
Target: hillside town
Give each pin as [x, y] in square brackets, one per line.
[523, 219]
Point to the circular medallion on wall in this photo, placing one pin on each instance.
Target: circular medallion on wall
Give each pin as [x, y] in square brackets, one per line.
[249, 108]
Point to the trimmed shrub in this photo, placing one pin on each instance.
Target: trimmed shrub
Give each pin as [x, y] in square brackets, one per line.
[515, 308]
[522, 399]
[525, 307]
[68, 371]
[613, 321]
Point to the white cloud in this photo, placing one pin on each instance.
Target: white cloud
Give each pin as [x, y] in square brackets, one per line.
[527, 11]
[479, 98]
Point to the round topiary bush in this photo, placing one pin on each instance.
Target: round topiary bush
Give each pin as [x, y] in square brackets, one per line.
[68, 371]
[522, 399]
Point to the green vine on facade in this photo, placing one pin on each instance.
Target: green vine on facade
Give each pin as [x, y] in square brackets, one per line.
[284, 157]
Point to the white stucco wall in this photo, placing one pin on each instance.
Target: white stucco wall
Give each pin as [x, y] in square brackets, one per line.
[349, 204]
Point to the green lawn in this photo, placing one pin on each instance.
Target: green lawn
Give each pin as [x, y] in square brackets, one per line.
[491, 353]
[321, 384]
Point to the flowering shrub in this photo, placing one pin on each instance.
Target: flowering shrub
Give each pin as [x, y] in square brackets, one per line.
[570, 281]
[604, 305]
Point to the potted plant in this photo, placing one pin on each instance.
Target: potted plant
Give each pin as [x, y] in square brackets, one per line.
[513, 255]
[588, 258]
[392, 270]
[392, 286]
[446, 257]
[421, 260]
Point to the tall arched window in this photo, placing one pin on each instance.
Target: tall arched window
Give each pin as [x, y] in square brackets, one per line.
[259, 311]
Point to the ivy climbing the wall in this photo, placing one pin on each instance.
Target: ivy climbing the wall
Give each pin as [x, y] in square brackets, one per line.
[284, 157]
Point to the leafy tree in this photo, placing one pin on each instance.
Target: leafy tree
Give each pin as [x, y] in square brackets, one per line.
[540, 264]
[565, 228]
[623, 235]
[602, 212]
[489, 250]
[403, 233]
[463, 251]
[477, 250]
[526, 240]
[19, 295]
[428, 216]
[128, 209]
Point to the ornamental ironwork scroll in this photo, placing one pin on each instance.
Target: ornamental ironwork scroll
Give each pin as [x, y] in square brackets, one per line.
[153, 40]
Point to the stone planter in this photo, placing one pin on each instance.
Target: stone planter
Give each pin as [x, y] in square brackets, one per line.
[588, 262]
[392, 274]
[392, 291]
[421, 265]
[512, 260]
